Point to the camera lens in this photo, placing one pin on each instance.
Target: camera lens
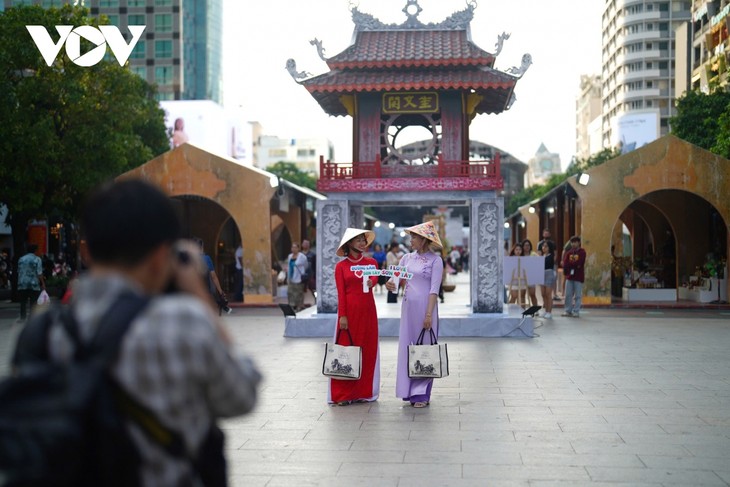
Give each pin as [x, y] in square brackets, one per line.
[183, 257]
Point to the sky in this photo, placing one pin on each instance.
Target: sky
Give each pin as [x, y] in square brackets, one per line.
[562, 36]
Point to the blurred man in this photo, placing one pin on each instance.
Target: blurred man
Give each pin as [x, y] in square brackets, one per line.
[176, 360]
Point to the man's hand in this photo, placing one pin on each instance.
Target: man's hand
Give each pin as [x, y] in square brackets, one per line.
[188, 269]
[343, 323]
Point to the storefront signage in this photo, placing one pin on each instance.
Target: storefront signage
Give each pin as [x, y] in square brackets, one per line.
[38, 235]
[411, 102]
[701, 10]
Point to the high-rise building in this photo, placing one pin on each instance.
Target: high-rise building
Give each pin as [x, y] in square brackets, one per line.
[303, 152]
[588, 117]
[638, 69]
[541, 166]
[708, 46]
[181, 48]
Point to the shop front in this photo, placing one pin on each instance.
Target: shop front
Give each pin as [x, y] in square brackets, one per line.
[653, 222]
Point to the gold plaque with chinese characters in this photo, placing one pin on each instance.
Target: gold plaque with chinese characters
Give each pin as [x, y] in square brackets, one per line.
[410, 102]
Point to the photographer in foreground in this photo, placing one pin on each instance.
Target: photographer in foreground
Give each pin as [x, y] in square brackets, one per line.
[176, 359]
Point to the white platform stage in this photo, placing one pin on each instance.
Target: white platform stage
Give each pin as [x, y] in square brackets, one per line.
[455, 317]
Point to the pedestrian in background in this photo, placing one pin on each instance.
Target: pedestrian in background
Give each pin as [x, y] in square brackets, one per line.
[547, 237]
[379, 256]
[574, 268]
[527, 251]
[297, 265]
[310, 278]
[30, 281]
[419, 309]
[517, 288]
[393, 258]
[211, 279]
[547, 286]
[357, 314]
[238, 256]
[455, 259]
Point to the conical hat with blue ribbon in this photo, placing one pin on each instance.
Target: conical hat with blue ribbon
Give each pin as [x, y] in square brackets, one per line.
[426, 230]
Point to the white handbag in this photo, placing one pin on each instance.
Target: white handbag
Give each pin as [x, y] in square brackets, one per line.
[428, 361]
[341, 361]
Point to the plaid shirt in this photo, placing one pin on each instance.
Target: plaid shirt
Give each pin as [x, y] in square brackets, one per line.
[171, 360]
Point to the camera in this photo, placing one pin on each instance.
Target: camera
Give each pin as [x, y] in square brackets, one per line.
[183, 256]
[223, 304]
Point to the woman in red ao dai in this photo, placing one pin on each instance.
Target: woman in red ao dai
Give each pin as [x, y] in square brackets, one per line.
[356, 312]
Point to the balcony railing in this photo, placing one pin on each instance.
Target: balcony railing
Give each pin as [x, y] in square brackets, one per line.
[442, 175]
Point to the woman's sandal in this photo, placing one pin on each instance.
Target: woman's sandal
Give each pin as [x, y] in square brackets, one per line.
[420, 404]
[344, 403]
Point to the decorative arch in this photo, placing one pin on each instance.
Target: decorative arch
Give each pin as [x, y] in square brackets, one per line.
[188, 172]
[668, 163]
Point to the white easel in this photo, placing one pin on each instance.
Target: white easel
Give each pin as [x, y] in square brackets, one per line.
[519, 278]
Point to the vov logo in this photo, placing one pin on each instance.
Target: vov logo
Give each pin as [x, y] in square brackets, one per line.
[105, 34]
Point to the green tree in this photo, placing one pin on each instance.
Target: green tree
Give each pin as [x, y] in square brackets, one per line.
[699, 119]
[722, 144]
[576, 166]
[66, 128]
[290, 172]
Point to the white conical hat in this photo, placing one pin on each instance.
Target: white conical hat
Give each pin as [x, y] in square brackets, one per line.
[351, 233]
[426, 230]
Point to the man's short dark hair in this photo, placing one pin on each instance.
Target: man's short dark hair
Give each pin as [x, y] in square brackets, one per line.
[575, 238]
[31, 248]
[124, 221]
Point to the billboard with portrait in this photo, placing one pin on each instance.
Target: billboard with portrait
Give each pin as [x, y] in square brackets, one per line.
[209, 126]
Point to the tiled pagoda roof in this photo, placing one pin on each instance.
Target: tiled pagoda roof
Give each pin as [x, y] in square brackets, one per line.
[411, 48]
[411, 56]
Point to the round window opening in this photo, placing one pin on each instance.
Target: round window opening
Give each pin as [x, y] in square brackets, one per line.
[412, 140]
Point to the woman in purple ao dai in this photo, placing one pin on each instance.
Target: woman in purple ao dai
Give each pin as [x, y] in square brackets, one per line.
[419, 308]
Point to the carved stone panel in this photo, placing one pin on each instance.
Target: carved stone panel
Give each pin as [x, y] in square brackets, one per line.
[487, 287]
[357, 215]
[333, 217]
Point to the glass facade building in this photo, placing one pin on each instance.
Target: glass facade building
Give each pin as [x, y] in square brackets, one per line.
[181, 48]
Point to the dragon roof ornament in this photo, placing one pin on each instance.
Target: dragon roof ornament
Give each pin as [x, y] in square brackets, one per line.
[457, 21]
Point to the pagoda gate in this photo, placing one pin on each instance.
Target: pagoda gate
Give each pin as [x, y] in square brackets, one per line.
[393, 77]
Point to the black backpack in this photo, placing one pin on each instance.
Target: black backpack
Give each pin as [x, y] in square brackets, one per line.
[65, 424]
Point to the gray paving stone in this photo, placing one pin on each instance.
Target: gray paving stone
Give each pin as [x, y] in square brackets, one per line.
[618, 398]
[526, 473]
[403, 470]
[664, 476]
[336, 481]
[582, 460]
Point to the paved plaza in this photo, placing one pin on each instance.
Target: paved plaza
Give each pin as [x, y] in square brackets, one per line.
[616, 398]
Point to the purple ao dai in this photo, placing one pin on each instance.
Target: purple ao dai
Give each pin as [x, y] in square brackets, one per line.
[427, 270]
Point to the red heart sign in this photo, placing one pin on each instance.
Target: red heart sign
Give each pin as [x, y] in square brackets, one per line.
[396, 273]
[358, 273]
